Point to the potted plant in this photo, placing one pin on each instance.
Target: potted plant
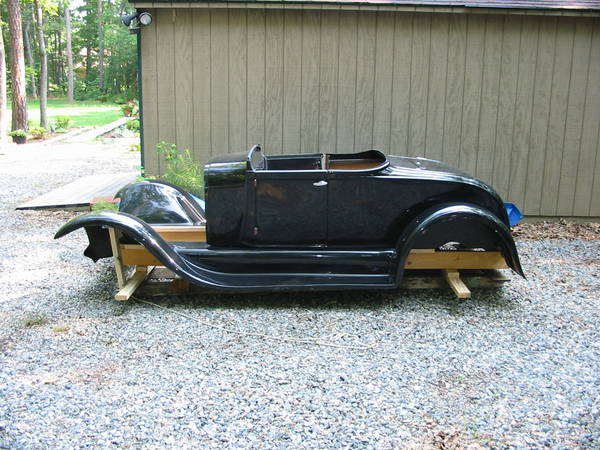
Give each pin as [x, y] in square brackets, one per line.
[18, 136]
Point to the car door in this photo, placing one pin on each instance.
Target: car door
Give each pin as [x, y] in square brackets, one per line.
[291, 208]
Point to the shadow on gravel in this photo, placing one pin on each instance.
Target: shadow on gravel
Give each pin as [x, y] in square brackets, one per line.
[340, 300]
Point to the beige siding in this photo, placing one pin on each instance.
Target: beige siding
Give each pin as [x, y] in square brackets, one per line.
[513, 99]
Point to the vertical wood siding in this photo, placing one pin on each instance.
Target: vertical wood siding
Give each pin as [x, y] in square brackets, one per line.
[513, 99]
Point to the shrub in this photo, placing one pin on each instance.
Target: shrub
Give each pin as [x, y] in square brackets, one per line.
[17, 133]
[135, 148]
[133, 125]
[181, 169]
[104, 205]
[62, 122]
[38, 132]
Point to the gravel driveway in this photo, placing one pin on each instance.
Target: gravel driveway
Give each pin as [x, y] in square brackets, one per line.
[518, 366]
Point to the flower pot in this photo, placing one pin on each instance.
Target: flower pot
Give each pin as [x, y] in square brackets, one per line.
[19, 139]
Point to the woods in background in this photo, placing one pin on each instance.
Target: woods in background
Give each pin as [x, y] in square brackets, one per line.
[62, 48]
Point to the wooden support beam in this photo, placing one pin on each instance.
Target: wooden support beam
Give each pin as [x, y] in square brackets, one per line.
[181, 233]
[117, 257]
[133, 283]
[456, 284]
[427, 259]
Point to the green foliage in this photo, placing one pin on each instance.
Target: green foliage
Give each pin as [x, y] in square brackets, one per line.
[135, 148]
[104, 205]
[38, 132]
[181, 169]
[62, 122]
[18, 133]
[133, 125]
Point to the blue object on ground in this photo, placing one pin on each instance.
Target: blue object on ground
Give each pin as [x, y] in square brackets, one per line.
[514, 214]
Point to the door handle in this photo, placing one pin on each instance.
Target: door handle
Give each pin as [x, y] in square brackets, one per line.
[320, 183]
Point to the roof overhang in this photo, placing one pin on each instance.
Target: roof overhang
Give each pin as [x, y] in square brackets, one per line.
[510, 7]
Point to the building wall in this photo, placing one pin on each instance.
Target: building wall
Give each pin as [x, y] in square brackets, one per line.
[513, 99]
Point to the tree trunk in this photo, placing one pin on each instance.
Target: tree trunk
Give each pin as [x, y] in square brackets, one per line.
[29, 57]
[19, 100]
[100, 47]
[43, 66]
[69, 56]
[3, 104]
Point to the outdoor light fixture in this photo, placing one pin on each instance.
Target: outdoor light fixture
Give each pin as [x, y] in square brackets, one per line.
[133, 21]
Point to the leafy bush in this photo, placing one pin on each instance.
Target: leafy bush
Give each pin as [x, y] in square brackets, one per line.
[17, 133]
[135, 148]
[62, 122]
[38, 132]
[181, 169]
[133, 125]
[104, 205]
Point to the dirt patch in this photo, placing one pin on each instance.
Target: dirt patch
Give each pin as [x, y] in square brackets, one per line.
[560, 229]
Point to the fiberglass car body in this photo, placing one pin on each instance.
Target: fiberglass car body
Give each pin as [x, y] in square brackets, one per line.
[309, 221]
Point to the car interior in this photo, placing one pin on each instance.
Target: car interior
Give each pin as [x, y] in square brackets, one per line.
[367, 160]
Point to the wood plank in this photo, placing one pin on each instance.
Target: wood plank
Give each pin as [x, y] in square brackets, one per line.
[418, 84]
[137, 255]
[182, 233]
[133, 283]
[563, 57]
[117, 256]
[459, 288]
[256, 78]
[575, 107]
[507, 95]
[436, 80]
[384, 74]
[457, 39]
[346, 106]
[365, 79]
[587, 193]
[165, 56]
[489, 97]
[292, 80]
[403, 43]
[519, 154]
[80, 192]
[542, 89]
[149, 95]
[184, 112]
[455, 260]
[309, 120]
[219, 69]
[472, 93]
[274, 82]
[328, 81]
[237, 80]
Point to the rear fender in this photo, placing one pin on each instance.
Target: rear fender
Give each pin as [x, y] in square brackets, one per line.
[467, 215]
[97, 224]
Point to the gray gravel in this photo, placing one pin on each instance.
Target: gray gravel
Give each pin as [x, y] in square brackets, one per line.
[518, 366]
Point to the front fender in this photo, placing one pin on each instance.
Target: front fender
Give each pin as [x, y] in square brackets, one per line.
[417, 228]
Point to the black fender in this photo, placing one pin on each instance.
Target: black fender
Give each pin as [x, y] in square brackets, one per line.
[145, 235]
[448, 213]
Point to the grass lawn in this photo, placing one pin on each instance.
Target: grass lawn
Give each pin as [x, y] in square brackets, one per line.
[82, 113]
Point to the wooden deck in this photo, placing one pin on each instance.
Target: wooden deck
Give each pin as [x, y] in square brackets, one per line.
[79, 193]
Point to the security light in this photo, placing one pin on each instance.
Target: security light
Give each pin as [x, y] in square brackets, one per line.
[145, 18]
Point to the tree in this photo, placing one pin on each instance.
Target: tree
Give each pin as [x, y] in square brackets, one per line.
[30, 63]
[69, 54]
[43, 66]
[100, 47]
[3, 111]
[19, 100]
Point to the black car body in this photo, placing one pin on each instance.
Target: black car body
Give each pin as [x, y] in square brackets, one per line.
[309, 221]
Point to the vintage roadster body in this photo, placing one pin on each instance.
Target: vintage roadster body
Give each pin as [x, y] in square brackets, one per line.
[309, 221]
